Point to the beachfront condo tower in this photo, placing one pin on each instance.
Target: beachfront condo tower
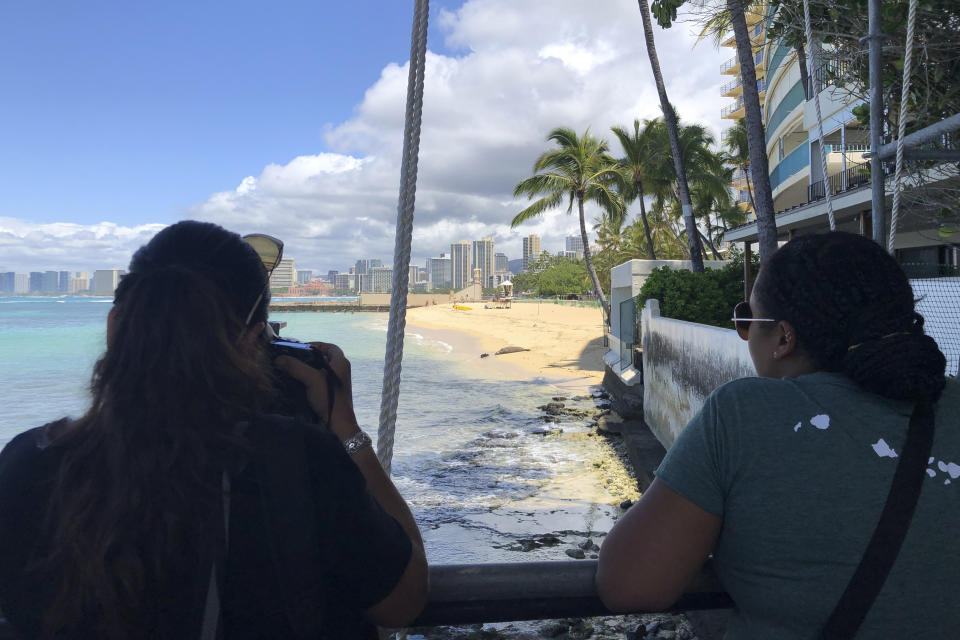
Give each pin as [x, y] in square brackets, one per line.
[460, 269]
[483, 258]
[531, 249]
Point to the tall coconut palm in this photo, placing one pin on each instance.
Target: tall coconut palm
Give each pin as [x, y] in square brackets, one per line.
[756, 138]
[579, 169]
[693, 238]
[738, 153]
[735, 16]
[640, 154]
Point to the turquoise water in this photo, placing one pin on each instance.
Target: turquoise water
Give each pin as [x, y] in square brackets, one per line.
[469, 452]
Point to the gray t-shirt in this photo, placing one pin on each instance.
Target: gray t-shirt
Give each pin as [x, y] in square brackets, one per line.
[799, 470]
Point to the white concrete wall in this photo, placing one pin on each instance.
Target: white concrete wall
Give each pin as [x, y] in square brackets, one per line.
[413, 299]
[625, 282]
[682, 363]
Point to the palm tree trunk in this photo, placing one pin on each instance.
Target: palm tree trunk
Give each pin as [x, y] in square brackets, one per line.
[670, 118]
[643, 216]
[804, 74]
[746, 175]
[597, 289]
[713, 248]
[756, 140]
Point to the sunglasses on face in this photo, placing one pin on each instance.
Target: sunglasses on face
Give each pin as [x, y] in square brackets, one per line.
[270, 250]
[743, 316]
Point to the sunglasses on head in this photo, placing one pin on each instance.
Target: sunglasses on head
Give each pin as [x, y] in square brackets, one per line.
[270, 250]
[743, 316]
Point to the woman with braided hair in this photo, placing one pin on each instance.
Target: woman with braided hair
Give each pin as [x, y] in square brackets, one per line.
[822, 515]
[178, 506]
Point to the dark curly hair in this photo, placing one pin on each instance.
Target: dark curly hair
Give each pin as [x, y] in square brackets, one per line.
[853, 311]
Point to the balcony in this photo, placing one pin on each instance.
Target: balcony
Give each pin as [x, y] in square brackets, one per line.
[855, 176]
[733, 111]
[732, 88]
[731, 66]
[792, 163]
[836, 148]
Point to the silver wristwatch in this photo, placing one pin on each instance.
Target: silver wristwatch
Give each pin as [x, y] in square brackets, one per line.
[356, 442]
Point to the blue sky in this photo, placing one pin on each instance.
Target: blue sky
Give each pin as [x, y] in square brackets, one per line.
[107, 101]
[287, 117]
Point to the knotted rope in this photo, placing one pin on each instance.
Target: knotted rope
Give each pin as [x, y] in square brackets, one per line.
[902, 125]
[401, 252]
[816, 101]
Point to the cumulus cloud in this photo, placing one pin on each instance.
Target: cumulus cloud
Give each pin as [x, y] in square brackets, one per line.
[518, 69]
[29, 246]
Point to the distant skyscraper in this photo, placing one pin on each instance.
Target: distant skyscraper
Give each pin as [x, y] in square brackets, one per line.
[574, 247]
[363, 265]
[414, 271]
[346, 282]
[439, 271]
[501, 264]
[51, 282]
[63, 282]
[21, 283]
[304, 276]
[105, 281]
[460, 270]
[36, 281]
[531, 249]
[8, 282]
[332, 277]
[284, 275]
[80, 284]
[482, 258]
[380, 280]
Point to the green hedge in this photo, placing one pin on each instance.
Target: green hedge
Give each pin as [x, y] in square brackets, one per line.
[706, 297]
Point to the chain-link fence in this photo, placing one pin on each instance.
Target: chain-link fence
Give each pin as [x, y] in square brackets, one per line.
[937, 288]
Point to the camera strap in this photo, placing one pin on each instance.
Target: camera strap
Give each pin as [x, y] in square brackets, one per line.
[881, 553]
[211, 610]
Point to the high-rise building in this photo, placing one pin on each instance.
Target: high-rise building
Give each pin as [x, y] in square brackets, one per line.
[36, 281]
[81, 283]
[531, 249]
[105, 281]
[284, 275]
[345, 282]
[574, 247]
[64, 282]
[460, 270]
[414, 272]
[8, 282]
[332, 276]
[21, 283]
[364, 265]
[304, 276]
[482, 258]
[439, 271]
[380, 280]
[50, 282]
[501, 264]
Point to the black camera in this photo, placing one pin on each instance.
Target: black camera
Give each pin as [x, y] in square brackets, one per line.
[291, 398]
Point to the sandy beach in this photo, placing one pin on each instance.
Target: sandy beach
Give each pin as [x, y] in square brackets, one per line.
[565, 342]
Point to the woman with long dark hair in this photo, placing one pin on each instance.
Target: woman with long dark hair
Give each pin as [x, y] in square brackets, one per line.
[176, 507]
[826, 488]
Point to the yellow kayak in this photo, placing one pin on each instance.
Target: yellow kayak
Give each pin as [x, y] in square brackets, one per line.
[460, 307]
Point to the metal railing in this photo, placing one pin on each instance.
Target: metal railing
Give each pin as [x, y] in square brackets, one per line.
[836, 148]
[732, 108]
[830, 73]
[729, 64]
[856, 175]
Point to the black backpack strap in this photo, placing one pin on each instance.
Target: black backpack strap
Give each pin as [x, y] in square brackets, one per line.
[287, 501]
[881, 553]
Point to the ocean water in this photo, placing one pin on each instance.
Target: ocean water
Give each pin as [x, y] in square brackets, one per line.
[470, 454]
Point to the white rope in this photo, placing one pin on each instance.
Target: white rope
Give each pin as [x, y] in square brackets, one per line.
[816, 101]
[902, 125]
[401, 252]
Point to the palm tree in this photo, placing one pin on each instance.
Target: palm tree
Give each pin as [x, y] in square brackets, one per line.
[735, 18]
[640, 155]
[756, 139]
[738, 153]
[579, 169]
[670, 117]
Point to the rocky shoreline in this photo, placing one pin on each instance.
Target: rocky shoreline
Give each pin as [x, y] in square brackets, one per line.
[611, 461]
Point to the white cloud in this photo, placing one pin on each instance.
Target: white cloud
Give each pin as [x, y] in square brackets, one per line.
[520, 69]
